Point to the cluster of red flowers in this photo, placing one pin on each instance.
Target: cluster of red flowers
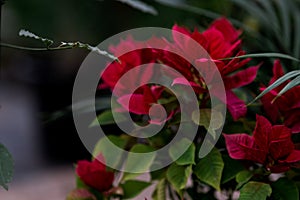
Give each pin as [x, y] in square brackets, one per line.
[220, 40]
[270, 145]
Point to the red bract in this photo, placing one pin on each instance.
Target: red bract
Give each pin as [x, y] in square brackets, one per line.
[94, 174]
[145, 95]
[269, 145]
[287, 106]
[220, 40]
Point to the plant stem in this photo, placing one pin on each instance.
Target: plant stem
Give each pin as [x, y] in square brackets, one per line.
[34, 48]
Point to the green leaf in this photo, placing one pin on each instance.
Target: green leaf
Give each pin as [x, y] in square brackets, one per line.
[263, 55]
[243, 177]
[104, 146]
[141, 6]
[160, 190]
[255, 191]
[133, 188]
[178, 176]
[210, 168]
[231, 168]
[210, 119]
[278, 82]
[289, 86]
[106, 118]
[283, 189]
[137, 164]
[188, 157]
[6, 167]
[80, 183]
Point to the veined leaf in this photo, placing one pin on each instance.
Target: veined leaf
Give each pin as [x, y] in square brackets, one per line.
[160, 190]
[137, 164]
[178, 176]
[132, 188]
[103, 146]
[255, 191]
[209, 169]
[243, 177]
[188, 157]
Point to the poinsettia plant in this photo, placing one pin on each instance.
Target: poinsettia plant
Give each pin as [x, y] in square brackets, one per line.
[255, 157]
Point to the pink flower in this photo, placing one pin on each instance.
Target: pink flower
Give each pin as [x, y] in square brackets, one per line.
[287, 106]
[94, 174]
[269, 145]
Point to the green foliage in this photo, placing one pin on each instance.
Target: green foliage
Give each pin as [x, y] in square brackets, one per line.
[210, 119]
[255, 191]
[188, 157]
[178, 176]
[210, 168]
[278, 82]
[139, 5]
[107, 118]
[104, 146]
[283, 189]
[6, 167]
[243, 177]
[137, 164]
[231, 168]
[160, 190]
[133, 188]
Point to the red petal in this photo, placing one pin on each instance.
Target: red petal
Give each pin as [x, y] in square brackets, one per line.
[277, 71]
[242, 146]
[293, 157]
[236, 107]
[262, 132]
[280, 149]
[134, 103]
[241, 78]
[229, 32]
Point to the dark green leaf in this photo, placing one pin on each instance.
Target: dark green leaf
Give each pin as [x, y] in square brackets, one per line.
[133, 188]
[231, 168]
[289, 86]
[255, 191]
[178, 176]
[284, 189]
[137, 164]
[243, 177]
[141, 6]
[210, 119]
[277, 83]
[160, 190]
[210, 168]
[6, 167]
[188, 157]
[106, 118]
[103, 146]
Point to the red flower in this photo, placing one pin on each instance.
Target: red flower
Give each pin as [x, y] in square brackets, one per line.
[270, 145]
[94, 174]
[220, 40]
[141, 99]
[287, 106]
